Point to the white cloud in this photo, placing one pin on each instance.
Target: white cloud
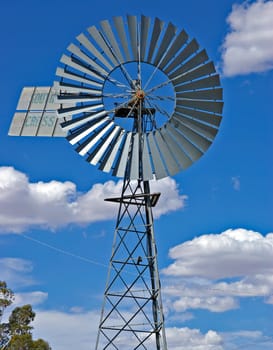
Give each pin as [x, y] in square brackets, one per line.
[270, 300]
[170, 199]
[182, 295]
[16, 272]
[244, 339]
[66, 330]
[58, 327]
[79, 330]
[233, 253]
[213, 303]
[241, 255]
[32, 298]
[248, 47]
[54, 204]
[250, 286]
[192, 339]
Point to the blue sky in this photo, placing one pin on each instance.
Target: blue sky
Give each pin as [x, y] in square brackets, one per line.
[214, 221]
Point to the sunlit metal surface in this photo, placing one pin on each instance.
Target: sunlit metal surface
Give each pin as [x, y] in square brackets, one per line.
[102, 74]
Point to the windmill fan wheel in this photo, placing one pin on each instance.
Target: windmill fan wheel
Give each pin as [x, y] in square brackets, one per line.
[139, 98]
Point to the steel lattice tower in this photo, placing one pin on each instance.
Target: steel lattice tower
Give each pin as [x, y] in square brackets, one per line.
[132, 298]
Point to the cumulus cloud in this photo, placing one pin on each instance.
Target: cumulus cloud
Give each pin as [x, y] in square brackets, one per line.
[55, 204]
[193, 339]
[233, 253]
[182, 295]
[248, 47]
[241, 259]
[66, 330]
[212, 303]
[58, 328]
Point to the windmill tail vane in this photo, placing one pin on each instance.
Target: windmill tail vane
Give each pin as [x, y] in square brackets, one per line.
[140, 100]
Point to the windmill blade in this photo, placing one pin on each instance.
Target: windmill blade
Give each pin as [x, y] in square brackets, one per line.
[64, 112]
[76, 77]
[179, 42]
[108, 49]
[72, 98]
[189, 50]
[68, 61]
[159, 168]
[210, 106]
[103, 146]
[144, 30]
[109, 158]
[166, 40]
[119, 169]
[111, 38]
[85, 42]
[81, 134]
[132, 24]
[76, 122]
[157, 29]
[208, 118]
[197, 60]
[66, 99]
[147, 171]
[210, 94]
[119, 24]
[79, 53]
[202, 129]
[85, 146]
[189, 148]
[208, 82]
[97, 36]
[182, 158]
[63, 87]
[167, 156]
[201, 142]
[134, 162]
[206, 69]
[77, 131]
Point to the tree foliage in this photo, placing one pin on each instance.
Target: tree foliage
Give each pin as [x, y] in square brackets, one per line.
[6, 297]
[20, 319]
[16, 334]
[25, 342]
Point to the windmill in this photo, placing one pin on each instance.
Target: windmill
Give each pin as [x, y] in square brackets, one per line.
[139, 99]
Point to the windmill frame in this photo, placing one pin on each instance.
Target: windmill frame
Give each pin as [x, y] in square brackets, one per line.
[149, 149]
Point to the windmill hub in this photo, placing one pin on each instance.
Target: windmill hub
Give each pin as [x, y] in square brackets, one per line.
[140, 94]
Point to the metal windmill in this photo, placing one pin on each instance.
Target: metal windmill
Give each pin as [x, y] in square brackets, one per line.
[138, 98]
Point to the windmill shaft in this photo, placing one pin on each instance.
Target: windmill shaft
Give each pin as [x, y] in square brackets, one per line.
[151, 250]
[132, 307]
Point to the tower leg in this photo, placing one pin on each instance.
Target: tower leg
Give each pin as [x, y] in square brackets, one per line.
[132, 313]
